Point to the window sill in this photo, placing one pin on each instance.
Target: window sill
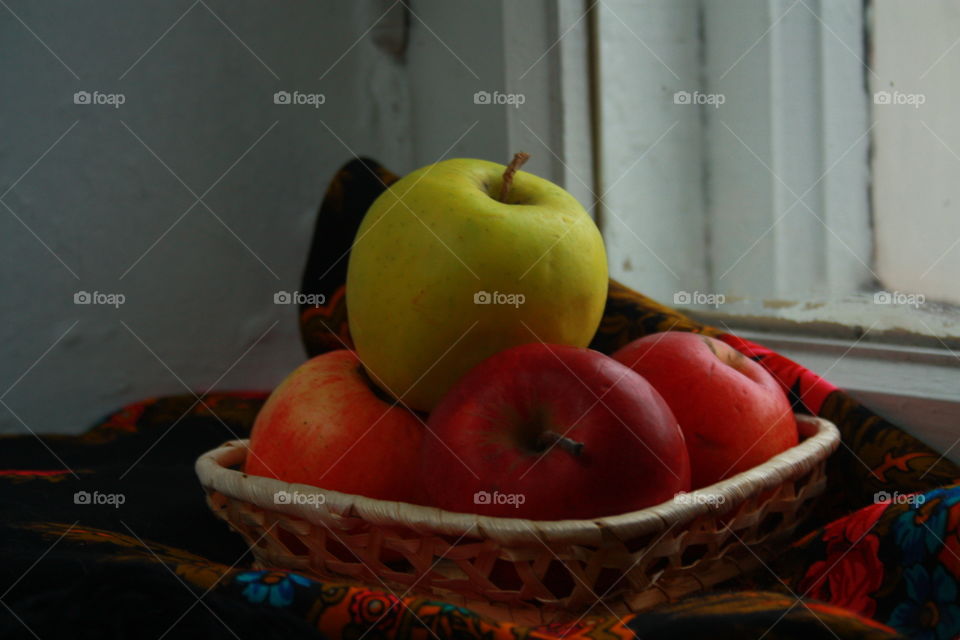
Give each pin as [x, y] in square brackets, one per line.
[930, 324]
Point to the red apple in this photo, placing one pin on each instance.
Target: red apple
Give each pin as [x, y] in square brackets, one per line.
[732, 411]
[326, 426]
[553, 432]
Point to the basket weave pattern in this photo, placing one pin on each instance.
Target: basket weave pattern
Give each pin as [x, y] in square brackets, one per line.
[532, 571]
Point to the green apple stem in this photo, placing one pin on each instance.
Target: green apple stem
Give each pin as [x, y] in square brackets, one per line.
[519, 159]
[571, 446]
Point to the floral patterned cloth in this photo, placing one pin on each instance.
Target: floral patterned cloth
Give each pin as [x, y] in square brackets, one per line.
[898, 563]
[880, 556]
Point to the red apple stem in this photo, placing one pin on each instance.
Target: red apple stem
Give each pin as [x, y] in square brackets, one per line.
[519, 159]
[571, 446]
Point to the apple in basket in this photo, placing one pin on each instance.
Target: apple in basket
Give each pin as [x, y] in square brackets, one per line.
[461, 259]
[733, 413]
[326, 425]
[552, 432]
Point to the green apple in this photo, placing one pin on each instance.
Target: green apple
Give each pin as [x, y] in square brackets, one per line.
[460, 260]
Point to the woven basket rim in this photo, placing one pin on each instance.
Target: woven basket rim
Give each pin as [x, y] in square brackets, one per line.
[821, 438]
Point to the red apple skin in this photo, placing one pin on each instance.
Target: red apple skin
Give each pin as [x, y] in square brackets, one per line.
[325, 426]
[633, 455]
[733, 413]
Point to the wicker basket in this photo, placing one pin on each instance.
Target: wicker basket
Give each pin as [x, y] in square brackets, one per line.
[528, 571]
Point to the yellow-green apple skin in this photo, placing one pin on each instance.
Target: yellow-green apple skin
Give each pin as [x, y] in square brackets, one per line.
[439, 237]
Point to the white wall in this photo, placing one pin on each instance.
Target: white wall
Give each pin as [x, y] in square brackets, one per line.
[535, 52]
[916, 195]
[651, 174]
[198, 81]
[199, 97]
